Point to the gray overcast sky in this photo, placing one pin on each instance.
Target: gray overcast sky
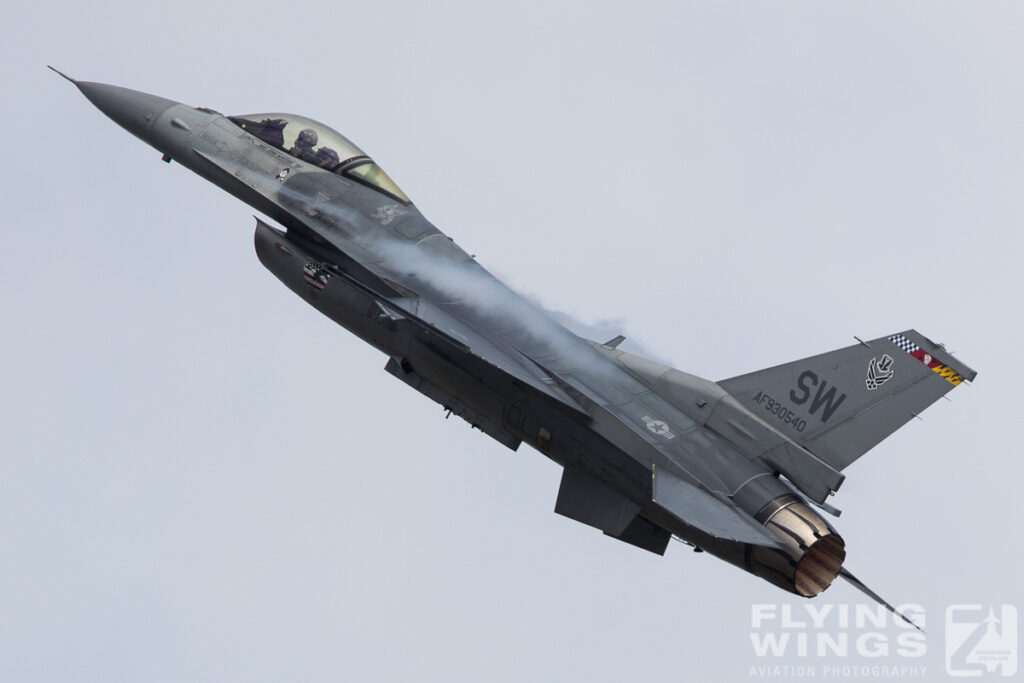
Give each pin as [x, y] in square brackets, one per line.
[202, 479]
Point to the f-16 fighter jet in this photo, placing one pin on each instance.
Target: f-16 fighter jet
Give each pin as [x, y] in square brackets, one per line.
[740, 468]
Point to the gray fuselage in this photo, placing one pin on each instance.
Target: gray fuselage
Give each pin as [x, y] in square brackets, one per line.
[581, 404]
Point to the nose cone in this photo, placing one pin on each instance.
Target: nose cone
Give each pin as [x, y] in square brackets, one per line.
[132, 110]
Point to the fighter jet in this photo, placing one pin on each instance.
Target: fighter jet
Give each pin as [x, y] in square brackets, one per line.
[740, 468]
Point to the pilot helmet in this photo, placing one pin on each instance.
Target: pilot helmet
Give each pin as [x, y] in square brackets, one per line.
[326, 157]
[307, 138]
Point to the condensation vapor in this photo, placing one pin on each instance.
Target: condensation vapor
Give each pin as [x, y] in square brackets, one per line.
[444, 274]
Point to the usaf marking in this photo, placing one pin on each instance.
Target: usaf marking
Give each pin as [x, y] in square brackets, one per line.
[658, 427]
[880, 371]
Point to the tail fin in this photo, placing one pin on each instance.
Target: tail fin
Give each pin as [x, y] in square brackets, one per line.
[840, 404]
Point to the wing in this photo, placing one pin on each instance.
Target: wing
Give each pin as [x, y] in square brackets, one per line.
[477, 375]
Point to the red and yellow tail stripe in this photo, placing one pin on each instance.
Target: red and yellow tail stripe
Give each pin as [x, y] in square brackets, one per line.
[944, 371]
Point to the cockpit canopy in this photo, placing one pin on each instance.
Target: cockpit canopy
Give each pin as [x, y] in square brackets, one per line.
[321, 146]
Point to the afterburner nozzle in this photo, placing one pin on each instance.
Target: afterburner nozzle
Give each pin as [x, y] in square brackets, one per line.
[810, 554]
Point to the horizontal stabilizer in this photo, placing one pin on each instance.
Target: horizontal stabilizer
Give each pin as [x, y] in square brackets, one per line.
[838, 405]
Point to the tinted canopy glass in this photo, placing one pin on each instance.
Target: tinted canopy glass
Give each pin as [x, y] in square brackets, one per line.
[373, 175]
[317, 144]
[301, 137]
